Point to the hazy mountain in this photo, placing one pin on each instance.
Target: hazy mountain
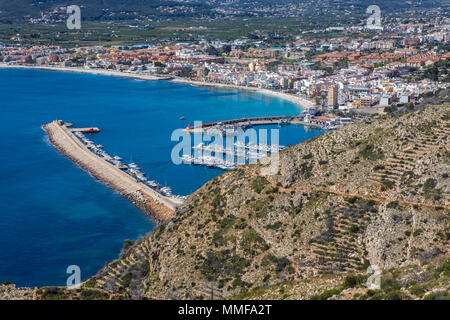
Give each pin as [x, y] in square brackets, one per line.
[94, 10]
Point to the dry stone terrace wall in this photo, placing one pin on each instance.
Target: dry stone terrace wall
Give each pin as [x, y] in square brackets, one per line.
[156, 205]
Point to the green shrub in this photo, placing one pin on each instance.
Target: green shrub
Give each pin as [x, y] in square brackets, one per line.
[438, 295]
[429, 184]
[258, 184]
[368, 151]
[392, 205]
[280, 263]
[327, 294]
[251, 241]
[53, 293]
[352, 281]
[274, 226]
[93, 295]
[443, 269]
[354, 229]
[389, 283]
[223, 263]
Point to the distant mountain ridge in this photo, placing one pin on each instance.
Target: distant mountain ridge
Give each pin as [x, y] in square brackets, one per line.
[100, 10]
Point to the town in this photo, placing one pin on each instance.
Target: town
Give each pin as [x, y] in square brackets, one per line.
[354, 71]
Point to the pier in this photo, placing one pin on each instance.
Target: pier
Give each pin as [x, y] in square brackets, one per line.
[160, 207]
[256, 121]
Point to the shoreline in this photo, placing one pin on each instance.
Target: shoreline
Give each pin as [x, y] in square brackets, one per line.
[297, 100]
[59, 138]
[157, 206]
[88, 71]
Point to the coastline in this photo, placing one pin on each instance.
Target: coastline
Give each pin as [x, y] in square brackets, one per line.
[89, 71]
[299, 101]
[147, 204]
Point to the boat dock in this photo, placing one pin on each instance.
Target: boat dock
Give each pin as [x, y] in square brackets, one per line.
[229, 157]
[111, 171]
[249, 122]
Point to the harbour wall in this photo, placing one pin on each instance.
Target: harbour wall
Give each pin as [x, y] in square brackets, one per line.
[156, 205]
[256, 121]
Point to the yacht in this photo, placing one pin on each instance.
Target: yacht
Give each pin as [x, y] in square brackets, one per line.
[133, 165]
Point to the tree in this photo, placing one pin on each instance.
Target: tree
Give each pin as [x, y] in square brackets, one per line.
[226, 48]
[212, 51]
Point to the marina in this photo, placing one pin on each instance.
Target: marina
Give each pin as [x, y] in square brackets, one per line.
[229, 157]
[129, 180]
[131, 169]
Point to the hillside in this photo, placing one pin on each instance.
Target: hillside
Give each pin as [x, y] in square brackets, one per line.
[374, 193]
[370, 193]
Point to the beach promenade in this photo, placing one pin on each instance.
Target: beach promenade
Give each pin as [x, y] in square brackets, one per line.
[158, 206]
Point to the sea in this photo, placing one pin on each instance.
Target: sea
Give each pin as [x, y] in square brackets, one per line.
[53, 214]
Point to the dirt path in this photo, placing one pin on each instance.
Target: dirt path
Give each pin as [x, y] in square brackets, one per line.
[345, 194]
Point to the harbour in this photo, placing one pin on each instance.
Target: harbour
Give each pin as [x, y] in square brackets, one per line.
[128, 180]
[67, 208]
[229, 157]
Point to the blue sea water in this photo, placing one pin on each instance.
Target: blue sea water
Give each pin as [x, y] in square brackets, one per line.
[52, 213]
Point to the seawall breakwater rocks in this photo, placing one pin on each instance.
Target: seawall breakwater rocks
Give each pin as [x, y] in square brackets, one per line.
[158, 206]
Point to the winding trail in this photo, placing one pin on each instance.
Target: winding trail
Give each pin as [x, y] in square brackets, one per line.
[345, 194]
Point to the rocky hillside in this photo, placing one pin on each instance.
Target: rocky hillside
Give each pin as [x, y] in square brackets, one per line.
[373, 193]
[428, 280]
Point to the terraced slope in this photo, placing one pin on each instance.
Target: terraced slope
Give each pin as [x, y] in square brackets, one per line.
[374, 193]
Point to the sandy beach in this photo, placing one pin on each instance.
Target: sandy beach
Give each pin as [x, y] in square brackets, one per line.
[300, 101]
[90, 71]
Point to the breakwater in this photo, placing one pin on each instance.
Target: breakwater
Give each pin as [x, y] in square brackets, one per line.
[255, 121]
[158, 206]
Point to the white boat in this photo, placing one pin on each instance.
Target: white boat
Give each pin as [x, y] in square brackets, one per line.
[133, 165]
